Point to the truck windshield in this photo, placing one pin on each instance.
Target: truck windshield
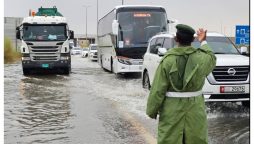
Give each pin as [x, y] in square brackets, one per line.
[44, 32]
[135, 28]
[219, 45]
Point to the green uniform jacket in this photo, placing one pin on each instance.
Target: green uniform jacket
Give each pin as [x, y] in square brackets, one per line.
[182, 69]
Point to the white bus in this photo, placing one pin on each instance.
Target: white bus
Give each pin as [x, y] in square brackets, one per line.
[123, 36]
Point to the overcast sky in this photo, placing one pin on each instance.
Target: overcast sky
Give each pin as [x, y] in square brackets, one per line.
[214, 15]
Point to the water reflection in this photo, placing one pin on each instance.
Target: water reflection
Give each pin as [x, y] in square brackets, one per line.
[80, 108]
[228, 123]
[45, 108]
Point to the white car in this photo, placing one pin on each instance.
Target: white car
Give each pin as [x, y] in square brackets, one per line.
[93, 53]
[76, 51]
[84, 52]
[229, 81]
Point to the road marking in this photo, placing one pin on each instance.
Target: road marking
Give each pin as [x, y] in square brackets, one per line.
[149, 138]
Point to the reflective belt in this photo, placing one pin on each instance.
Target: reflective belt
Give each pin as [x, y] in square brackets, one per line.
[184, 94]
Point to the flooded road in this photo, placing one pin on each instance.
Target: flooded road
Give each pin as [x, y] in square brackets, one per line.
[91, 106]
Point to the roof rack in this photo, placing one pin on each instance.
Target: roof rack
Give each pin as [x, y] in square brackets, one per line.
[48, 12]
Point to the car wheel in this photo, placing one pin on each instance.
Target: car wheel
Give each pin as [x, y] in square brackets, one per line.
[146, 81]
[246, 103]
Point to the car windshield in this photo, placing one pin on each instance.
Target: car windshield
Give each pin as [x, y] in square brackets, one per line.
[136, 28]
[44, 32]
[76, 49]
[93, 47]
[219, 45]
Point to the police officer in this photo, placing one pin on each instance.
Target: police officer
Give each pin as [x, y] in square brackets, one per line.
[176, 92]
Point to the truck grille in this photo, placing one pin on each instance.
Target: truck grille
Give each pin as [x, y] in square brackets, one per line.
[231, 73]
[45, 53]
[96, 53]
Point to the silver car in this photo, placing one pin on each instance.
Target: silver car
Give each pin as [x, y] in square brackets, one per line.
[76, 51]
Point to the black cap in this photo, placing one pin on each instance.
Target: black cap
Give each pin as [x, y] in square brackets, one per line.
[185, 29]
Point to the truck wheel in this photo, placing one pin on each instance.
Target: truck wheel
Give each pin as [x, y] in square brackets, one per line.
[26, 71]
[146, 81]
[246, 104]
[66, 71]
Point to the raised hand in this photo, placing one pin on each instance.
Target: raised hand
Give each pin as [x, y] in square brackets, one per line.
[201, 35]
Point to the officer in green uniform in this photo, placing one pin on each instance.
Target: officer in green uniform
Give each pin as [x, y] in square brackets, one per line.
[176, 92]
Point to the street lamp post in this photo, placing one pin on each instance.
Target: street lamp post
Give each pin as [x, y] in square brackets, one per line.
[97, 17]
[86, 6]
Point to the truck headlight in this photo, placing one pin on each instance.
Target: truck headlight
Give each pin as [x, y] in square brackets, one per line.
[64, 58]
[25, 58]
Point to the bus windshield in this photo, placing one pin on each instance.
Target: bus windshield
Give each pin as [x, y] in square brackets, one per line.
[219, 45]
[136, 28]
[44, 32]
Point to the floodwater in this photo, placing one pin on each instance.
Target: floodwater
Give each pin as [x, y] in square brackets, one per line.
[91, 106]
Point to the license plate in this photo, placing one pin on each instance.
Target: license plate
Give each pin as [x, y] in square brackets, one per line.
[45, 65]
[140, 67]
[232, 89]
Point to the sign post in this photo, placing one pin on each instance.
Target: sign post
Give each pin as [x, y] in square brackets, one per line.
[242, 35]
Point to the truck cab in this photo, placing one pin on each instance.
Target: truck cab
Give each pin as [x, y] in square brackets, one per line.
[45, 38]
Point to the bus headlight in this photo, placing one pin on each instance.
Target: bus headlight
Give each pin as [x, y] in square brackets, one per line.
[124, 60]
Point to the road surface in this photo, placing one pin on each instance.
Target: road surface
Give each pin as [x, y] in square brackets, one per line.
[91, 106]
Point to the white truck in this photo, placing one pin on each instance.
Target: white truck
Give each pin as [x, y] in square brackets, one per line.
[45, 38]
[229, 81]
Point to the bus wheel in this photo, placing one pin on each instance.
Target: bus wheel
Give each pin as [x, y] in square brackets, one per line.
[111, 66]
[146, 81]
[103, 67]
[101, 63]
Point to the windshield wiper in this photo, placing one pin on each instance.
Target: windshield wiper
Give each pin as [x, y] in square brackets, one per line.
[142, 43]
[219, 53]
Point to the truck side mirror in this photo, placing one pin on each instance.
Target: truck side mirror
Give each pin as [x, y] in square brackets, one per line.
[18, 33]
[244, 50]
[172, 21]
[115, 27]
[71, 34]
[162, 51]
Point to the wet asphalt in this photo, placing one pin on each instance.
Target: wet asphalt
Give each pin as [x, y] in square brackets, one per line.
[92, 106]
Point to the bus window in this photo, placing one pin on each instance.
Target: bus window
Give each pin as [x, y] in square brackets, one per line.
[135, 28]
